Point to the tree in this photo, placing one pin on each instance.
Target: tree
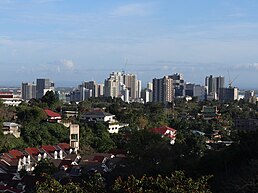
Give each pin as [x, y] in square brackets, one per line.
[176, 183]
[50, 99]
[43, 167]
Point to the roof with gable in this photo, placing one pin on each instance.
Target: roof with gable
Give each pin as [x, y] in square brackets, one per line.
[162, 130]
[52, 113]
[64, 146]
[32, 150]
[16, 153]
[49, 148]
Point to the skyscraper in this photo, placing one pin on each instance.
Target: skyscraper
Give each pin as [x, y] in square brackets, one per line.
[213, 85]
[43, 85]
[179, 84]
[28, 91]
[117, 82]
[163, 89]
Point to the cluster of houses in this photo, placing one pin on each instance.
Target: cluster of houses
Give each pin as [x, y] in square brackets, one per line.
[65, 158]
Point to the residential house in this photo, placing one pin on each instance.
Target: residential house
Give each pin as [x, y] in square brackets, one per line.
[52, 116]
[98, 115]
[15, 160]
[167, 132]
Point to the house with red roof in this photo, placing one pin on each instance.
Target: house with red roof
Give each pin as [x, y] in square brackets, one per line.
[52, 116]
[167, 132]
[15, 160]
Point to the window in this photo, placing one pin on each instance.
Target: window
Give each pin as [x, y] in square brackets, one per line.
[74, 136]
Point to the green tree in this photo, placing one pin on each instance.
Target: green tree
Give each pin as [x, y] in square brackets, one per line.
[50, 99]
[176, 183]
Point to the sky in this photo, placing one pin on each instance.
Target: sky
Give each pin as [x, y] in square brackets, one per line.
[71, 41]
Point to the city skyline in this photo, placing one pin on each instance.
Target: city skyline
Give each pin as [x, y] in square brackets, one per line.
[70, 42]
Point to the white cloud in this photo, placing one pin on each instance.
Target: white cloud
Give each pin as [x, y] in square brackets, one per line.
[131, 10]
[69, 64]
[248, 67]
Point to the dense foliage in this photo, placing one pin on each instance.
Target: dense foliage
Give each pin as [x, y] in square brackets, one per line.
[150, 157]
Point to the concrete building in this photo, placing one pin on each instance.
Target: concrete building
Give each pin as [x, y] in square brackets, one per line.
[163, 90]
[117, 84]
[42, 86]
[193, 90]
[74, 136]
[213, 84]
[28, 91]
[178, 84]
[147, 95]
[250, 96]
[228, 94]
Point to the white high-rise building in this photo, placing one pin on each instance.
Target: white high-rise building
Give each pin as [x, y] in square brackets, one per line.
[118, 84]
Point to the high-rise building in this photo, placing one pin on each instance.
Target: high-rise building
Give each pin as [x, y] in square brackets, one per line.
[213, 85]
[194, 90]
[179, 84]
[146, 95]
[118, 81]
[163, 89]
[228, 94]
[250, 96]
[90, 89]
[28, 91]
[42, 86]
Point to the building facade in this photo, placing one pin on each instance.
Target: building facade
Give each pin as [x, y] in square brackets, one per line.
[28, 91]
[163, 90]
[42, 86]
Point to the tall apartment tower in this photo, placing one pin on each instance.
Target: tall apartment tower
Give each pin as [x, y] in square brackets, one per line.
[28, 91]
[133, 85]
[112, 85]
[213, 84]
[163, 90]
[90, 89]
[117, 82]
[44, 85]
[179, 84]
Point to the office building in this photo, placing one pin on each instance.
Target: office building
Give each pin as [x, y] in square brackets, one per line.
[28, 91]
[213, 85]
[228, 94]
[178, 84]
[42, 86]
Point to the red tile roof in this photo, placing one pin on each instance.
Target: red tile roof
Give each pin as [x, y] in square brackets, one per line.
[16, 153]
[51, 113]
[49, 148]
[32, 150]
[162, 131]
[98, 158]
[64, 146]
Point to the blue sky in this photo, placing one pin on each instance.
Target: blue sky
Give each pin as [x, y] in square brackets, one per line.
[74, 40]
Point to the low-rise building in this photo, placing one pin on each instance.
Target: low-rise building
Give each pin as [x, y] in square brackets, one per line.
[11, 128]
[98, 115]
[52, 116]
[165, 131]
